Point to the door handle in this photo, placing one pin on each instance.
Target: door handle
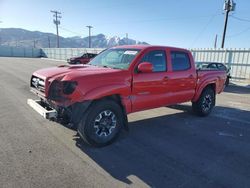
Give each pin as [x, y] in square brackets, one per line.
[191, 76]
[165, 78]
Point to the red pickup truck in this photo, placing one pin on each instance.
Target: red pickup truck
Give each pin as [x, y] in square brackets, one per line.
[97, 97]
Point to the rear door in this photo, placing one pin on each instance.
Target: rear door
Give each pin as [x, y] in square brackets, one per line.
[182, 76]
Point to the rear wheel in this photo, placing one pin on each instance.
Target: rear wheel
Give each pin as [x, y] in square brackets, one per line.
[102, 123]
[227, 81]
[206, 102]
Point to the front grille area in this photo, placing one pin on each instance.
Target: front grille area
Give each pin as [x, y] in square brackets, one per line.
[38, 83]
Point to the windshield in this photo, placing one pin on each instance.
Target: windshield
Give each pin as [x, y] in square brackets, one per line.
[115, 58]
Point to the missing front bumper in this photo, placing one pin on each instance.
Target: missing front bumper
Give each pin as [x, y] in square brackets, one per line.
[43, 109]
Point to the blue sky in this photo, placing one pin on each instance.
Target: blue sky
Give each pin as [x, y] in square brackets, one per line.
[182, 23]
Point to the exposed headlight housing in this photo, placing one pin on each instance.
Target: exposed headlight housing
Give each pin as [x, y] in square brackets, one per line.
[69, 87]
[58, 89]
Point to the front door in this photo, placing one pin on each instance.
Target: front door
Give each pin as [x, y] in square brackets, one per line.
[150, 89]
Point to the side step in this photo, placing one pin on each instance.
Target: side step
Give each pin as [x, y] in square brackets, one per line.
[45, 111]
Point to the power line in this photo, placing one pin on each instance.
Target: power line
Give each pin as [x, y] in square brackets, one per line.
[203, 29]
[70, 31]
[240, 33]
[160, 19]
[241, 19]
[57, 22]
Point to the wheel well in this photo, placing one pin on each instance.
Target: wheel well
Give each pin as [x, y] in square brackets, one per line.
[116, 98]
[212, 86]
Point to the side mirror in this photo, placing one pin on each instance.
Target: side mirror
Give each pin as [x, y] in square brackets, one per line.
[145, 67]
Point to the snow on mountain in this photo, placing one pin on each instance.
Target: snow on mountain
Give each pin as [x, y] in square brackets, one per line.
[25, 38]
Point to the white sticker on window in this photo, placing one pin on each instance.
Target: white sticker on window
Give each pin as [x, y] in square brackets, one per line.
[129, 52]
[159, 55]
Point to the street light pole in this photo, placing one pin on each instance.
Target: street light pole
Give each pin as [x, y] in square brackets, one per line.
[90, 27]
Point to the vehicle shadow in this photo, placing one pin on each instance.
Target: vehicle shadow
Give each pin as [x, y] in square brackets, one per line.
[237, 89]
[172, 150]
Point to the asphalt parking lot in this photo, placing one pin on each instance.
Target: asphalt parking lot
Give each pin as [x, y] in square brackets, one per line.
[165, 147]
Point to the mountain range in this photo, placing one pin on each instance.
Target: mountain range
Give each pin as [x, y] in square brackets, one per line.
[25, 38]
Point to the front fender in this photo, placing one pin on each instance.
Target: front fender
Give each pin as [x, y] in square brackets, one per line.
[108, 90]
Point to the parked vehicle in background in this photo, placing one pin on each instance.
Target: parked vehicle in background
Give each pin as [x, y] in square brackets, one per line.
[215, 66]
[97, 97]
[83, 59]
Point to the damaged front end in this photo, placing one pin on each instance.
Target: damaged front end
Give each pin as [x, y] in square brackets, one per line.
[58, 100]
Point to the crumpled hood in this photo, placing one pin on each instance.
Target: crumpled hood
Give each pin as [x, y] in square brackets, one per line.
[73, 71]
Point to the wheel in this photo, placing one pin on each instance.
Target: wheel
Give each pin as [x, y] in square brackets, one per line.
[227, 81]
[72, 62]
[206, 102]
[101, 123]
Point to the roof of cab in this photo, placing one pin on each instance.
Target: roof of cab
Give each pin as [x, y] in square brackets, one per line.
[142, 47]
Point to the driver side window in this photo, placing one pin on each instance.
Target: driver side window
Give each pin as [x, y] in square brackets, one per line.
[158, 59]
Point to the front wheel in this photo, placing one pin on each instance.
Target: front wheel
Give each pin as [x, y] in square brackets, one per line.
[206, 102]
[101, 123]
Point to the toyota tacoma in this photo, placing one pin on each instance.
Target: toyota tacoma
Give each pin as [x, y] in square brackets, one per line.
[95, 98]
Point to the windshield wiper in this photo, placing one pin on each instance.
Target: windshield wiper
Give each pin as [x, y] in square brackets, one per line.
[105, 66]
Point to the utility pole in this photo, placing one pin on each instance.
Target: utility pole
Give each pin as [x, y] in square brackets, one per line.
[229, 6]
[57, 22]
[90, 27]
[215, 41]
[49, 41]
[127, 38]
[0, 36]
[34, 44]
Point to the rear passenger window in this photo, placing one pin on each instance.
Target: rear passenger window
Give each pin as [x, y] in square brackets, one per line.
[158, 60]
[180, 61]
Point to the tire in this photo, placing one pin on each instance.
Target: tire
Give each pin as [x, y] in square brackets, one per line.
[101, 124]
[227, 81]
[205, 103]
[72, 62]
